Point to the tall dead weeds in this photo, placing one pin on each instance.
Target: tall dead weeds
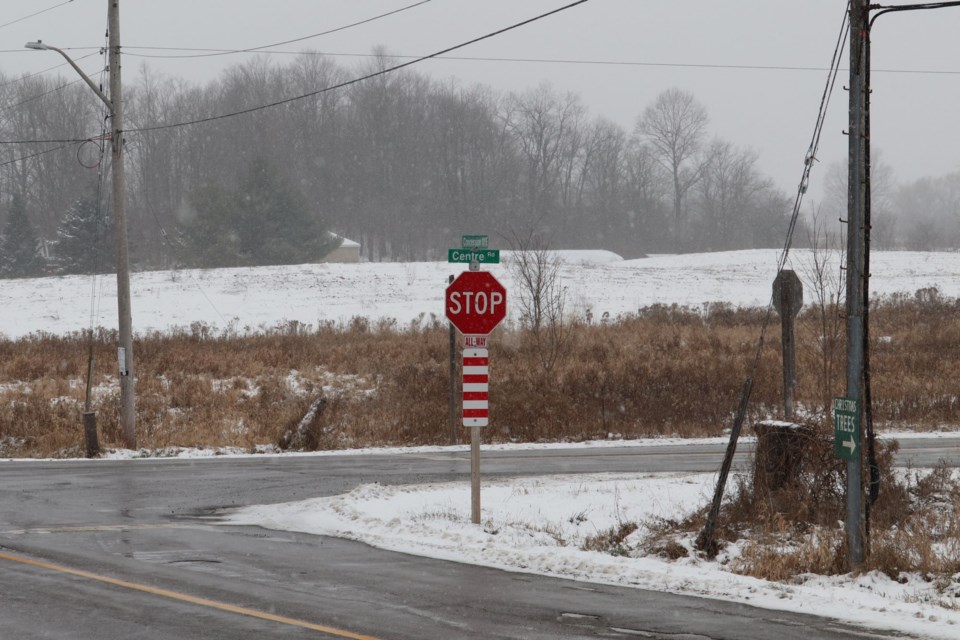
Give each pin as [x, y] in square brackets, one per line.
[666, 370]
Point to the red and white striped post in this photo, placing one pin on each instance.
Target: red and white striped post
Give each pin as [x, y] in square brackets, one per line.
[476, 388]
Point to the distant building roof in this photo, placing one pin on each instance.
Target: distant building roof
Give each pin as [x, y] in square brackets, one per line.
[346, 242]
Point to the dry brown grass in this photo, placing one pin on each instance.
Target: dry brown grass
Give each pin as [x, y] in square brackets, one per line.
[911, 535]
[663, 371]
[797, 530]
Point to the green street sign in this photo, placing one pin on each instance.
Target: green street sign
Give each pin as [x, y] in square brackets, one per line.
[485, 256]
[846, 428]
[474, 242]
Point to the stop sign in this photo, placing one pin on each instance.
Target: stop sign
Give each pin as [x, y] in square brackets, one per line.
[476, 302]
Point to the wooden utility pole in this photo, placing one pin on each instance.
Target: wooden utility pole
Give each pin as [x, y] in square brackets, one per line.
[857, 201]
[788, 300]
[125, 351]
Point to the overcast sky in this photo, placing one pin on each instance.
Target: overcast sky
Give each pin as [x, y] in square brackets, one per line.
[700, 46]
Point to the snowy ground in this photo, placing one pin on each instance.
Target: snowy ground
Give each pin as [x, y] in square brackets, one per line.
[596, 281]
[534, 524]
[538, 525]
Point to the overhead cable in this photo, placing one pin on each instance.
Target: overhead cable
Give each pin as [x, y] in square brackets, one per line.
[7, 24]
[568, 61]
[225, 52]
[706, 539]
[369, 76]
[39, 153]
[27, 76]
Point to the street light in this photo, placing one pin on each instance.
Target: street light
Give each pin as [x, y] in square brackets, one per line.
[115, 107]
[39, 45]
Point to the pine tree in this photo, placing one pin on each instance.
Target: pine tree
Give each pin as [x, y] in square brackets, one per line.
[265, 222]
[20, 255]
[275, 225]
[84, 239]
[210, 239]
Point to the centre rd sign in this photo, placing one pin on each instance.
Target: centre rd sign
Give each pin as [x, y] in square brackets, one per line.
[476, 302]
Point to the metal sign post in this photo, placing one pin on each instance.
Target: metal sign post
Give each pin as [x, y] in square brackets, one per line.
[475, 303]
[476, 414]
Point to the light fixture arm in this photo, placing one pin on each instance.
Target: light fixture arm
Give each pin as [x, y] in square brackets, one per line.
[39, 45]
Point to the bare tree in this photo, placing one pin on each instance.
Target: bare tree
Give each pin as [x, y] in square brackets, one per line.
[929, 210]
[822, 277]
[546, 128]
[604, 180]
[675, 125]
[541, 296]
[473, 162]
[646, 194]
[736, 207]
[47, 176]
[883, 223]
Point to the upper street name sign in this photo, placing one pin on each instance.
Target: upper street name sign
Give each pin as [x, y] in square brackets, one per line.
[474, 242]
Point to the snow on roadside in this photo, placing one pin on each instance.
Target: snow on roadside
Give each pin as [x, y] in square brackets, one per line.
[538, 525]
[269, 450]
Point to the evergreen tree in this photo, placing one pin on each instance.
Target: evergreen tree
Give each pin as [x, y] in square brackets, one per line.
[208, 229]
[85, 239]
[265, 222]
[276, 226]
[20, 255]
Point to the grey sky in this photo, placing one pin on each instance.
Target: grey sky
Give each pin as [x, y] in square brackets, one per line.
[769, 110]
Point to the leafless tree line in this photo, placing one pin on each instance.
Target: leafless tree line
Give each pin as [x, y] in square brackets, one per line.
[401, 163]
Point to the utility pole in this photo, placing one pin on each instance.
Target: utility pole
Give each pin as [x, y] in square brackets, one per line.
[125, 351]
[857, 201]
[115, 105]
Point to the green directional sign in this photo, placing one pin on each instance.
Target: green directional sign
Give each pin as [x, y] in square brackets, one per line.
[474, 242]
[846, 428]
[483, 256]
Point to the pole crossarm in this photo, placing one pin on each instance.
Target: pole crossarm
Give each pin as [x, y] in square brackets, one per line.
[881, 9]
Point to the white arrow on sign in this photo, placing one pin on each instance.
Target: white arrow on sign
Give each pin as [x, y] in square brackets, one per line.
[849, 444]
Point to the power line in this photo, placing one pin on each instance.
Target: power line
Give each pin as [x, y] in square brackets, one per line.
[38, 96]
[64, 141]
[225, 52]
[566, 61]
[376, 74]
[61, 87]
[27, 76]
[341, 85]
[7, 24]
[34, 155]
[705, 541]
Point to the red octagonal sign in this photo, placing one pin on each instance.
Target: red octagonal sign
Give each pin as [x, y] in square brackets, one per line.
[476, 302]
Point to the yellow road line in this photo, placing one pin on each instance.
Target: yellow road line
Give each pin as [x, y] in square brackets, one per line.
[182, 597]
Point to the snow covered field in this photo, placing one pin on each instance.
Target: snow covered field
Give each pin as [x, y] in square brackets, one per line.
[533, 524]
[262, 297]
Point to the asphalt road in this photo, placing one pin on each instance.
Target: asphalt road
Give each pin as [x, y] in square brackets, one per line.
[127, 549]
